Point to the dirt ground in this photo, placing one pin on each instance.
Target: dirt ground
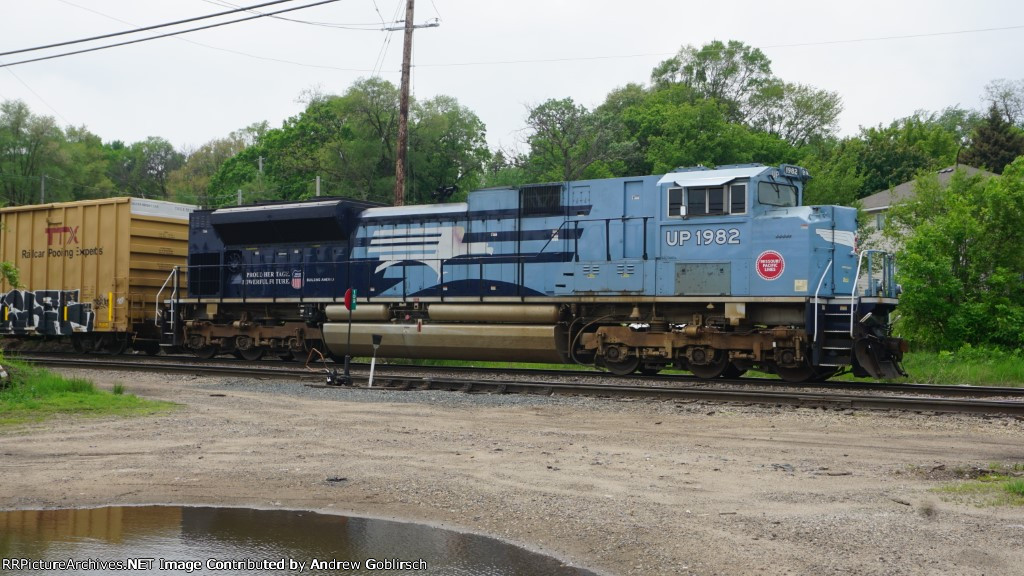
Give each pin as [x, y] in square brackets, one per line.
[651, 488]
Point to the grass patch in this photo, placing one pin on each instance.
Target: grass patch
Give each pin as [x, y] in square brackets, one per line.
[33, 394]
[999, 486]
[968, 365]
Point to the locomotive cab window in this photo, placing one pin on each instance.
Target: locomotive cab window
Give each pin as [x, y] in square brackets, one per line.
[708, 201]
[775, 194]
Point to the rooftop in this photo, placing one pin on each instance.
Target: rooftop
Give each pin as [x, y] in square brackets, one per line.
[882, 200]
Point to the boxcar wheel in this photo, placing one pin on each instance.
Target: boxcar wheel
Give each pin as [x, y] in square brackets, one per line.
[114, 346]
[81, 345]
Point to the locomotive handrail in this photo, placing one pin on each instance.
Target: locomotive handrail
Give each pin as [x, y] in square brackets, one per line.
[174, 294]
[557, 230]
[607, 233]
[870, 277]
[816, 291]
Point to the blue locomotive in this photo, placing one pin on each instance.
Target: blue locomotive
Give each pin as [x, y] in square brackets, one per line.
[714, 271]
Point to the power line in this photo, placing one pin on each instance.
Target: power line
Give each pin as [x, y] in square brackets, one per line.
[143, 29]
[362, 27]
[378, 65]
[167, 34]
[228, 50]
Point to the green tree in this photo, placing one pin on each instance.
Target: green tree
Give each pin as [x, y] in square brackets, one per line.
[835, 171]
[447, 147]
[29, 145]
[565, 141]
[897, 153]
[739, 77]
[796, 113]
[349, 141]
[1008, 98]
[674, 132]
[191, 181]
[994, 143]
[624, 155]
[505, 169]
[142, 168]
[81, 172]
[730, 73]
[960, 266]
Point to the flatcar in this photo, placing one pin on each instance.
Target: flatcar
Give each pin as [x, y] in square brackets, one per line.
[714, 271]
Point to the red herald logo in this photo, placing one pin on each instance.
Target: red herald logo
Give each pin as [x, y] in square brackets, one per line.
[770, 265]
[60, 232]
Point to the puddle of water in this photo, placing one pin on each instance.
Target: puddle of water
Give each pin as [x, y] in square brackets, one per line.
[239, 541]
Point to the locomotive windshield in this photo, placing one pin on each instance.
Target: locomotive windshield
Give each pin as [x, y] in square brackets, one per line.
[775, 194]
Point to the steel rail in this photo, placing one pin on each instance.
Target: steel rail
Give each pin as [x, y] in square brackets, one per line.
[687, 393]
[677, 379]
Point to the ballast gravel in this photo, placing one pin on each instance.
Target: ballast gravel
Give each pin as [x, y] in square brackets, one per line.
[616, 486]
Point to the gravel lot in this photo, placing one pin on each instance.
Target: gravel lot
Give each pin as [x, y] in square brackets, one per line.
[620, 487]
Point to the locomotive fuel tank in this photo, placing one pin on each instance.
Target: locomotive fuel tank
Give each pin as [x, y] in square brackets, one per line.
[493, 332]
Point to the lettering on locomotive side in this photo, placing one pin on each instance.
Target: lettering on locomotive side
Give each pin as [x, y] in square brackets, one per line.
[703, 237]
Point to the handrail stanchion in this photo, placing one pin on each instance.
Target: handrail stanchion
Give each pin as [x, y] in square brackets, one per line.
[816, 291]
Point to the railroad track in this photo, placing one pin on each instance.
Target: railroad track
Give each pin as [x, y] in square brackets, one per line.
[833, 395]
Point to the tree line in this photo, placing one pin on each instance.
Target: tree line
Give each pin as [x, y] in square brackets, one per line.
[711, 105]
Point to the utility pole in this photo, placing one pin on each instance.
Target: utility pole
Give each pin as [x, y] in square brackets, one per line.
[403, 109]
[403, 103]
[42, 189]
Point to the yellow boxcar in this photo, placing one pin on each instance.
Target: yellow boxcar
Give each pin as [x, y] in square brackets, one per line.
[91, 270]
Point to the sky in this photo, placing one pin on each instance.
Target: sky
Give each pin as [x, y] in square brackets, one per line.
[886, 59]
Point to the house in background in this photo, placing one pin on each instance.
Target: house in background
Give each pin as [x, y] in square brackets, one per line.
[875, 207]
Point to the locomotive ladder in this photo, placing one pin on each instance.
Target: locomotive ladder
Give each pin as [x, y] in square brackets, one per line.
[833, 339]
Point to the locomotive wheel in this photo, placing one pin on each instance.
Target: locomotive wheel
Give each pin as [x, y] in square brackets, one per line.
[624, 367]
[206, 352]
[732, 371]
[709, 371]
[251, 354]
[796, 374]
[823, 373]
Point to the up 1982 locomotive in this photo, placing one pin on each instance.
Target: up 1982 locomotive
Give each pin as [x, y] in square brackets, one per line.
[711, 271]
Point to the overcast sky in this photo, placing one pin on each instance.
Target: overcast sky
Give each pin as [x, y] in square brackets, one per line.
[886, 59]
